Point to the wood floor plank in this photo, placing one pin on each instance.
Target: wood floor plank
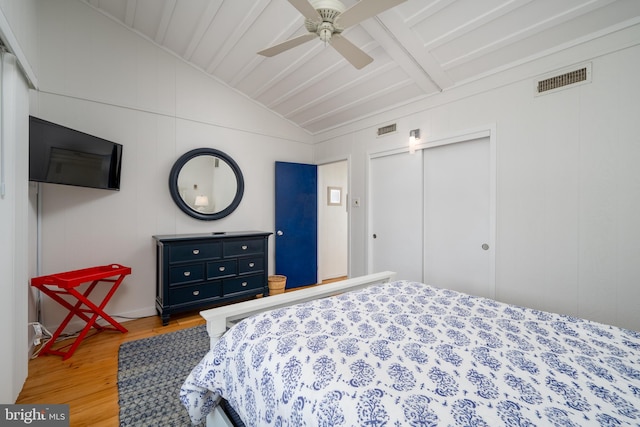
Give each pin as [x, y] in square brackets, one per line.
[88, 380]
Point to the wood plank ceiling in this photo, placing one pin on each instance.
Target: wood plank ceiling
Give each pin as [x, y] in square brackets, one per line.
[420, 47]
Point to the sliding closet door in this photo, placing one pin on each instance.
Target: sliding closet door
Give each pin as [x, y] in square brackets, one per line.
[395, 215]
[458, 252]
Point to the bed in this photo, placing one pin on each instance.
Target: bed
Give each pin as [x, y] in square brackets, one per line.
[399, 353]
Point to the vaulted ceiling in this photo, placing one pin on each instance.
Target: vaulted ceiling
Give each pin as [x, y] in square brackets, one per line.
[419, 47]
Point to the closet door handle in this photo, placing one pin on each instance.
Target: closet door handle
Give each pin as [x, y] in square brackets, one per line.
[187, 273]
[244, 247]
[196, 251]
[251, 264]
[221, 268]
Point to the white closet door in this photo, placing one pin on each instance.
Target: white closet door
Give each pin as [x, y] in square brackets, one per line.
[395, 215]
[457, 227]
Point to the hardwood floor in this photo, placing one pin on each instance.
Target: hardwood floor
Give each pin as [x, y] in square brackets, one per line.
[87, 381]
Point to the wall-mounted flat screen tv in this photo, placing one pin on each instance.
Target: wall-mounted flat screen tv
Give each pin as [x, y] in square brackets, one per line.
[60, 155]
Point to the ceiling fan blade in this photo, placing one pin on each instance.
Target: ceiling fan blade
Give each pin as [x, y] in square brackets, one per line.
[364, 9]
[286, 45]
[351, 52]
[306, 9]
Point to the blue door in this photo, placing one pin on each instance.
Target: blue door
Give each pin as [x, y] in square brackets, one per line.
[297, 223]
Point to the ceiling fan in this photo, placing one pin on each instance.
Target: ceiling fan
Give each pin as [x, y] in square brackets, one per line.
[326, 19]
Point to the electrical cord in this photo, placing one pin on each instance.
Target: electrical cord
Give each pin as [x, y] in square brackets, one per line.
[43, 336]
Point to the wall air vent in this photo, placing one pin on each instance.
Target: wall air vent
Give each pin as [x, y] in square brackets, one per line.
[386, 129]
[556, 82]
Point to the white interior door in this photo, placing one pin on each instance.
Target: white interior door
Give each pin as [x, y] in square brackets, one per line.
[458, 252]
[395, 215]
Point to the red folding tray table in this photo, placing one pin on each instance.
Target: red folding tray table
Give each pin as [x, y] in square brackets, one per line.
[65, 283]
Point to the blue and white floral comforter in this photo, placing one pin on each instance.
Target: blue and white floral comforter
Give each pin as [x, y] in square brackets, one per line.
[408, 354]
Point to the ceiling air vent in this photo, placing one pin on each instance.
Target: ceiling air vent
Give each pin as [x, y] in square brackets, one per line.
[571, 78]
[386, 129]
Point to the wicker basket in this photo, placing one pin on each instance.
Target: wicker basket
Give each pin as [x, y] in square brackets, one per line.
[277, 284]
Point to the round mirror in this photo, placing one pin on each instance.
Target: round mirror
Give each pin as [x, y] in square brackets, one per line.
[206, 184]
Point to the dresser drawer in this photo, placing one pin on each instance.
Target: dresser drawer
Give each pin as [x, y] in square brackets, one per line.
[185, 294]
[201, 269]
[250, 265]
[194, 251]
[186, 274]
[243, 247]
[224, 268]
[242, 284]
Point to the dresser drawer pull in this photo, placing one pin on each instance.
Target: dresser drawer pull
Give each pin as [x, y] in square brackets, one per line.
[196, 251]
[221, 268]
[244, 247]
[244, 284]
[187, 273]
[252, 264]
[196, 293]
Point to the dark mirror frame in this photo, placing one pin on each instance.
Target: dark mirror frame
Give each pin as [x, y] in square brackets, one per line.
[175, 194]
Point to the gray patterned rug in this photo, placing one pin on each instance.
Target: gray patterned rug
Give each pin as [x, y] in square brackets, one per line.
[150, 373]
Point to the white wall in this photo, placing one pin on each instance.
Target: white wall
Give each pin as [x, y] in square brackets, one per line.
[14, 256]
[17, 28]
[568, 238]
[15, 265]
[100, 78]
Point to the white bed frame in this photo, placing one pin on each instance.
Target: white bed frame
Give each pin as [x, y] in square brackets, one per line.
[221, 318]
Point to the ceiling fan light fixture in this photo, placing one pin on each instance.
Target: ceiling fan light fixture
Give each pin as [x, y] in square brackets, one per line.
[325, 31]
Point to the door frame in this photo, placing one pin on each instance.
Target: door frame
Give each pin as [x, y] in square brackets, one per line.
[320, 163]
[486, 131]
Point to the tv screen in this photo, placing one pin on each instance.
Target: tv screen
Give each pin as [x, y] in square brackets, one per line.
[60, 155]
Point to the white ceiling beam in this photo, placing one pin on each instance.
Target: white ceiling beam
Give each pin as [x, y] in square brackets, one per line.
[203, 25]
[287, 32]
[289, 69]
[526, 32]
[475, 23]
[364, 100]
[427, 11]
[362, 77]
[167, 12]
[232, 40]
[323, 73]
[401, 44]
[130, 13]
